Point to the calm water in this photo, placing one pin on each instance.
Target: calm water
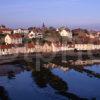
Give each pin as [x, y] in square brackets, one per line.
[52, 82]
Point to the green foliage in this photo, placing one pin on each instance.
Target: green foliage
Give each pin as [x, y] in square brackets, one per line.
[2, 36]
[51, 35]
[26, 40]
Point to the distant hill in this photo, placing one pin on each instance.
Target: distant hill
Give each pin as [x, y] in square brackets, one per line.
[95, 27]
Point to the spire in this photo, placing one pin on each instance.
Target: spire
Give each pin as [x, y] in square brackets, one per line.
[43, 25]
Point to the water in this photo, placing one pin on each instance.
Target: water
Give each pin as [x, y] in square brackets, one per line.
[52, 82]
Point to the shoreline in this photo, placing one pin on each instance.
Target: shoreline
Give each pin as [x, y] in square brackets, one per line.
[68, 55]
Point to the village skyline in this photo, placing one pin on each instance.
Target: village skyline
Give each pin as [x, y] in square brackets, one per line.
[71, 27]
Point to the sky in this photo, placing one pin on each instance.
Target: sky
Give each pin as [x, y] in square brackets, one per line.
[74, 13]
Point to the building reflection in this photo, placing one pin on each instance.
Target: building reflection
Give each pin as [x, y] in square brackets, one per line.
[45, 77]
[77, 65]
[52, 66]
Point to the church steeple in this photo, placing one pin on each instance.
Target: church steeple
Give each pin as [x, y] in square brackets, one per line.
[43, 25]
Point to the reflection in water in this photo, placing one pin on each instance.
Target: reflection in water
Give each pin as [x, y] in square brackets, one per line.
[10, 70]
[3, 94]
[88, 72]
[45, 76]
[11, 74]
[77, 65]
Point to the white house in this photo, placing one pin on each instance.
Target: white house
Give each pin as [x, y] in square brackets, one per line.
[65, 33]
[39, 35]
[5, 49]
[5, 31]
[30, 48]
[24, 31]
[46, 48]
[98, 34]
[34, 34]
[13, 39]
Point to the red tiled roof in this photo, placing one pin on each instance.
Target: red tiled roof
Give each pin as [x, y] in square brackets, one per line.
[17, 45]
[57, 45]
[5, 29]
[15, 36]
[30, 45]
[5, 46]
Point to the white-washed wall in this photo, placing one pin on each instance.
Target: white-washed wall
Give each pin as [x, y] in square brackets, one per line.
[48, 48]
[87, 47]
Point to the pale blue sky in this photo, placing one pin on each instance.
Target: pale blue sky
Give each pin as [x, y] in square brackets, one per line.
[25, 13]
